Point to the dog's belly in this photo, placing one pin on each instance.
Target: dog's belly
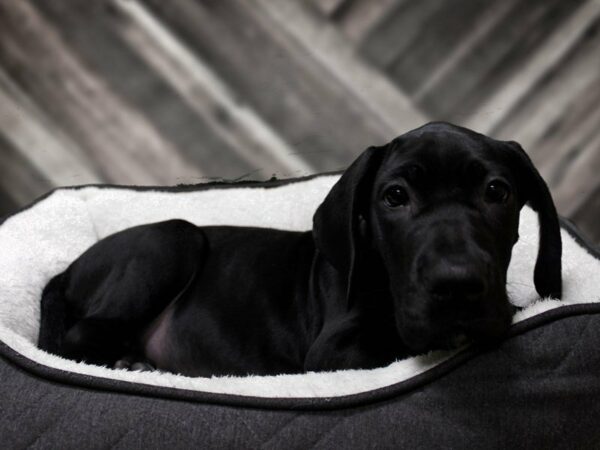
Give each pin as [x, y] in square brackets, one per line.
[192, 339]
[155, 339]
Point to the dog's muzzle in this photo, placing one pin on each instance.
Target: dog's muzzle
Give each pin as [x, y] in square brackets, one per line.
[452, 301]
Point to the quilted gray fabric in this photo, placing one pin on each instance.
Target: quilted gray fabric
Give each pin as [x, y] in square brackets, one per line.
[540, 389]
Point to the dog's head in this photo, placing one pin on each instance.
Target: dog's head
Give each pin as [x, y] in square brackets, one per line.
[434, 215]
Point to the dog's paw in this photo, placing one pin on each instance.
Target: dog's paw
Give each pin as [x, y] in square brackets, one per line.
[122, 364]
[131, 364]
[142, 367]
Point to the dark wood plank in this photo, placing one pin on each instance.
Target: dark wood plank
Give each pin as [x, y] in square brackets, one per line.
[396, 31]
[279, 79]
[504, 103]
[447, 30]
[587, 217]
[121, 141]
[367, 89]
[205, 129]
[40, 141]
[491, 62]
[575, 120]
[205, 92]
[568, 82]
[7, 205]
[359, 17]
[330, 7]
[579, 176]
[20, 183]
[92, 32]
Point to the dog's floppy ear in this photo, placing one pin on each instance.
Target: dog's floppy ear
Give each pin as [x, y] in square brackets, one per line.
[335, 221]
[547, 273]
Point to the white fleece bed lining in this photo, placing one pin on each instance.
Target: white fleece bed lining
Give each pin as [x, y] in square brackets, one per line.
[44, 239]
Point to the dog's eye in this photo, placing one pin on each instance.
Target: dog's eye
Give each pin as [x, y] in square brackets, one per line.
[496, 192]
[396, 196]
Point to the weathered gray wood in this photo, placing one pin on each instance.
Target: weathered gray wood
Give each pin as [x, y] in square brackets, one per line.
[19, 181]
[581, 178]
[587, 217]
[491, 62]
[115, 89]
[451, 44]
[40, 144]
[123, 144]
[312, 110]
[497, 109]
[98, 33]
[450, 30]
[567, 137]
[378, 97]
[7, 204]
[329, 7]
[360, 16]
[572, 81]
[397, 30]
[236, 124]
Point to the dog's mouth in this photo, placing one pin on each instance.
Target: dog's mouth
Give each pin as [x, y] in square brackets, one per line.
[464, 335]
[422, 331]
[427, 340]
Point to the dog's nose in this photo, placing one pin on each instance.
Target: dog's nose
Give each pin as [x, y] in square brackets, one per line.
[463, 283]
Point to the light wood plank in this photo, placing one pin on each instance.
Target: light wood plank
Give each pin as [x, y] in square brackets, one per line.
[122, 143]
[362, 16]
[329, 7]
[495, 58]
[483, 26]
[587, 217]
[320, 118]
[94, 34]
[7, 204]
[567, 135]
[39, 141]
[381, 98]
[397, 30]
[488, 118]
[237, 124]
[551, 100]
[20, 183]
[581, 178]
[432, 53]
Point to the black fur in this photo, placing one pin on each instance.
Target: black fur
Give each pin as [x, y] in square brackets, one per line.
[408, 253]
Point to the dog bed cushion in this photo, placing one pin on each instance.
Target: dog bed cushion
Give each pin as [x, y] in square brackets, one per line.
[549, 355]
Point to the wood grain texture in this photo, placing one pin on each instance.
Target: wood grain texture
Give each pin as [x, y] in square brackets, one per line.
[563, 41]
[361, 16]
[155, 92]
[19, 180]
[243, 130]
[95, 34]
[119, 139]
[273, 73]
[27, 130]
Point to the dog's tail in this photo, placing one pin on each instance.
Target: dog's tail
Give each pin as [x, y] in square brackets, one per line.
[53, 316]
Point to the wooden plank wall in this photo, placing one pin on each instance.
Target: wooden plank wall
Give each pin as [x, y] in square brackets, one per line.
[153, 92]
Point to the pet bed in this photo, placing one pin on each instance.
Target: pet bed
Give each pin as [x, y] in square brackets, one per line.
[539, 388]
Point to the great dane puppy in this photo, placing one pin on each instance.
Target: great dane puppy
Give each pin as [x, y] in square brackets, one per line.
[408, 253]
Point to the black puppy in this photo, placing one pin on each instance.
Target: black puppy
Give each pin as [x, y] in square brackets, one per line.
[408, 253]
